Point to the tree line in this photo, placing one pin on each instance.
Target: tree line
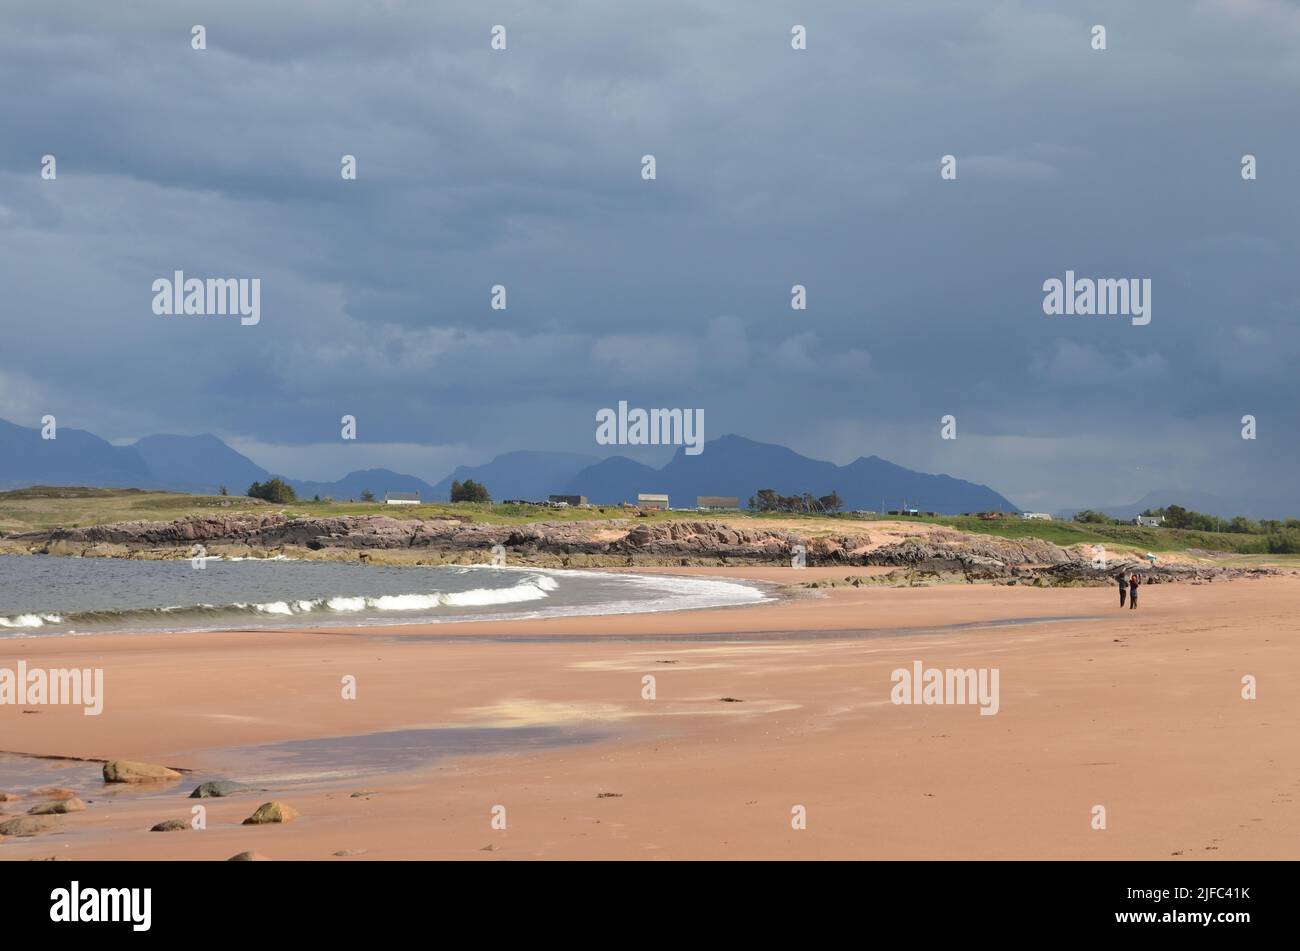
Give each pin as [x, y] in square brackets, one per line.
[1275, 536]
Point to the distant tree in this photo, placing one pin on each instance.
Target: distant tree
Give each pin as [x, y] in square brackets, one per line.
[222, 490]
[1091, 517]
[469, 491]
[1283, 543]
[273, 490]
[1176, 517]
[831, 503]
[315, 498]
[1241, 524]
[367, 495]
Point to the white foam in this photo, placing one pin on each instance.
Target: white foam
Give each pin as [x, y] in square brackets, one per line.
[533, 588]
[529, 591]
[30, 620]
[404, 602]
[346, 604]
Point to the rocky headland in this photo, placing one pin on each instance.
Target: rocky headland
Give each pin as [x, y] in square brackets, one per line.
[933, 554]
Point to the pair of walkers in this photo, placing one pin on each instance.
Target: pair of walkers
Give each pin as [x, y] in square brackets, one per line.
[1128, 586]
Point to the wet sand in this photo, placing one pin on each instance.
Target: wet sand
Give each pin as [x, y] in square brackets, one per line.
[1137, 711]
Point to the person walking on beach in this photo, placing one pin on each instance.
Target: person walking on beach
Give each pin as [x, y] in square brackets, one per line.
[1133, 592]
[1123, 582]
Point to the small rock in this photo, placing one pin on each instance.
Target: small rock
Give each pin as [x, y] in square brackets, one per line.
[365, 792]
[9, 797]
[128, 771]
[54, 792]
[609, 795]
[26, 825]
[272, 812]
[57, 808]
[248, 857]
[344, 853]
[216, 788]
[488, 848]
[730, 700]
[171, 825]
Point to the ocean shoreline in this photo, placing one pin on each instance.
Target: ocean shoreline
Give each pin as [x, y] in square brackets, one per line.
[431, 605]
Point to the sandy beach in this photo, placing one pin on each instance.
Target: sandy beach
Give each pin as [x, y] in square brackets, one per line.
[756, 711]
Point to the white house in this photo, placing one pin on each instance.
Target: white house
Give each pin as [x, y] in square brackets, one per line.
[651, 501]
[1038, 515]
[402, 498]
[1149, 521]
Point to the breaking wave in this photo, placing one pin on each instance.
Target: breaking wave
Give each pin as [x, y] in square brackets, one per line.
[30, 620]
[528, 588]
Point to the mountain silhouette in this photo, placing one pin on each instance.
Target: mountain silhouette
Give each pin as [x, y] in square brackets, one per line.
[739, 467]
[728, 466]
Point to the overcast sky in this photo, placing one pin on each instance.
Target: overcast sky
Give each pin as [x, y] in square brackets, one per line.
[775, 167]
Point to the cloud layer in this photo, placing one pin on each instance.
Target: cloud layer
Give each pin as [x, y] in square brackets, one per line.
[775, 167]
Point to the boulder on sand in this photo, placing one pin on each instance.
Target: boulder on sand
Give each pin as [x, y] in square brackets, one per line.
[129, 771]
[272, 812]
[26, 825]
[9, 797]
[248, 857]
[58, 807]
[217, 788]
[171, 825]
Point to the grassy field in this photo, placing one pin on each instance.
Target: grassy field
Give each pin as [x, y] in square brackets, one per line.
[45, 508]
[36, 509]
[1077, 533]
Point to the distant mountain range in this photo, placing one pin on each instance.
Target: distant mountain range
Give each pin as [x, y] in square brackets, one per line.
[198, 464]
[739, 467]
[729, 466]
[522, 475]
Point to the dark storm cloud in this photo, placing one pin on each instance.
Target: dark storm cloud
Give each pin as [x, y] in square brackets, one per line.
[775, 167]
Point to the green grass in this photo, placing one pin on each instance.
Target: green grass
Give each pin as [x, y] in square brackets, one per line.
[42, 508]
[1078, 533]
[489, 512]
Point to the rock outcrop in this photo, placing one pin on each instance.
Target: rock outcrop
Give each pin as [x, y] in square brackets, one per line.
[934, 552]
